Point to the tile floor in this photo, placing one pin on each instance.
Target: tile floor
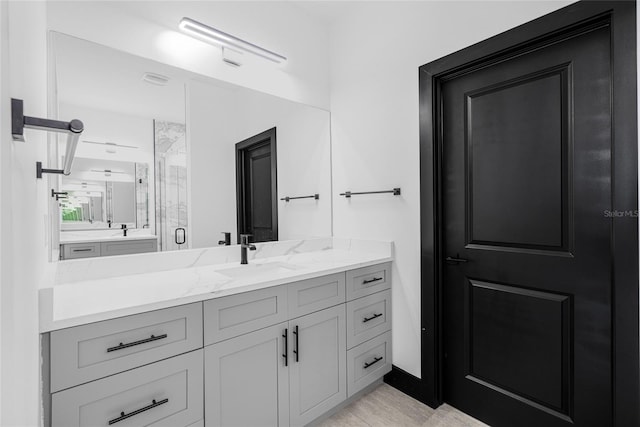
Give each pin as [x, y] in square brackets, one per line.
[387, 407]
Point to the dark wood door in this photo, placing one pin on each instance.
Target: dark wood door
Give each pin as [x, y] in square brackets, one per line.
[526, 191]
[256, 187]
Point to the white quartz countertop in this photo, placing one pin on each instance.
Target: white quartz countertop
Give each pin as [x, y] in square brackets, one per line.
[112, 236]
[84, 300]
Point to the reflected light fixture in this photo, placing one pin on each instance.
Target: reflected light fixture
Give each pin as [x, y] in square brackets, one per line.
[111, 147]
[211, 35]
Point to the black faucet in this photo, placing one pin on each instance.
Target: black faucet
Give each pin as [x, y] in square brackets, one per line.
[227, 239]
[244, 245]
[124, 229]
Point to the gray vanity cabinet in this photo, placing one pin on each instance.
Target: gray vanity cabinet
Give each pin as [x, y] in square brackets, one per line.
[317, 373]
[279, 356]
[247, 380]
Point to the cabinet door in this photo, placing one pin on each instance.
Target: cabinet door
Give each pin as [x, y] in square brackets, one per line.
[317, 368]
[246, 380]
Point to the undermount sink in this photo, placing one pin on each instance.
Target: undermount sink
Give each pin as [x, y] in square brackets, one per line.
[256, 269]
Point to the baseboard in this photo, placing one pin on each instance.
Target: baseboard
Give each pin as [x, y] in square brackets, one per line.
[409, 385]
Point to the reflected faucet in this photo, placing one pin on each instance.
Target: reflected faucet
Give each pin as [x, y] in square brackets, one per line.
[227, 239]
[244, 245]
[124, 229]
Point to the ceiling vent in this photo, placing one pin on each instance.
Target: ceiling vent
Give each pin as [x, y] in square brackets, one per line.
[155, 79]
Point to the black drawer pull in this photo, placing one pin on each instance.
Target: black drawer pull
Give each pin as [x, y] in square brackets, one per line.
[82, 250]
[295, 349]
[375, 316]
[124, 416]
[286, 347]
[375, 360]
[131, 344]
[375, 279]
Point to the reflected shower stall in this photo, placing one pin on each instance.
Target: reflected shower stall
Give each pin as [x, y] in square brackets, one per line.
[171, 185]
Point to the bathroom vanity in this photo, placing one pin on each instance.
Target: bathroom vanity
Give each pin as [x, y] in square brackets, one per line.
[279, 342]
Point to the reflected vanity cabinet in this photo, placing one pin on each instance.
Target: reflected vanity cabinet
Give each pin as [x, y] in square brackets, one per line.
[279, 356]
[108, 248]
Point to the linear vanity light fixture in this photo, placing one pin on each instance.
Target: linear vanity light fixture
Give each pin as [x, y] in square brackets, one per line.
[209, 34]
[109, 144]
[73, 129]
[107, 172]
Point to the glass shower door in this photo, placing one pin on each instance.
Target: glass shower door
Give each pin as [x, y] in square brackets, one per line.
[171, 185]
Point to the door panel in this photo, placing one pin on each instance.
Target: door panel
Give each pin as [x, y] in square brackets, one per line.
[526, 182]
[529, 356]
[506, 148]
[247, 380]
[259, 196]
[256, 186]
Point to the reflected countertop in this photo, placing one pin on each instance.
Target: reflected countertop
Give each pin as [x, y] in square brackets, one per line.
[95, 289]
[114, 235]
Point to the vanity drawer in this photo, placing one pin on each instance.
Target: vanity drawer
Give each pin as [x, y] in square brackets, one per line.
[368, 362]
[88, 352]
[228, 317]
[316, 294]
[368, 280]
[129, 247]
[80, 250]
[368, 317]
[127, 399]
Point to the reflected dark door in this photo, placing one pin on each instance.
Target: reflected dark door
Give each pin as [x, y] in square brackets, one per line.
[256, 187]
[526, 190]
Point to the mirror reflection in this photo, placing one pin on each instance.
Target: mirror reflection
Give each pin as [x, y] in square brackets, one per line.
[103, 192]
[171, 160]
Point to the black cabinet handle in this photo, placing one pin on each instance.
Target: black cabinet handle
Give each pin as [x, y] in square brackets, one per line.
[131, 344]
[375, 360]
[124, 416]
[184, 236]
[375, 279]
[286, 347]
[82, 250]
[375, 316]
[295, 349]
[452, 260]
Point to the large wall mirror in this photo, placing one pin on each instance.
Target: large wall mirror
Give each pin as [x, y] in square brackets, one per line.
[165, 155]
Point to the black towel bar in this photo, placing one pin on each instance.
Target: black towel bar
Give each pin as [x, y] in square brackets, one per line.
[348, 194]
[315, 196]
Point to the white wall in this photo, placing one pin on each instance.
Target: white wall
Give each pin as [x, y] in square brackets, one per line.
[217, 119]
[150, 29]
[5, 119]
[23, 241]
[375, 53]
[213, 125]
